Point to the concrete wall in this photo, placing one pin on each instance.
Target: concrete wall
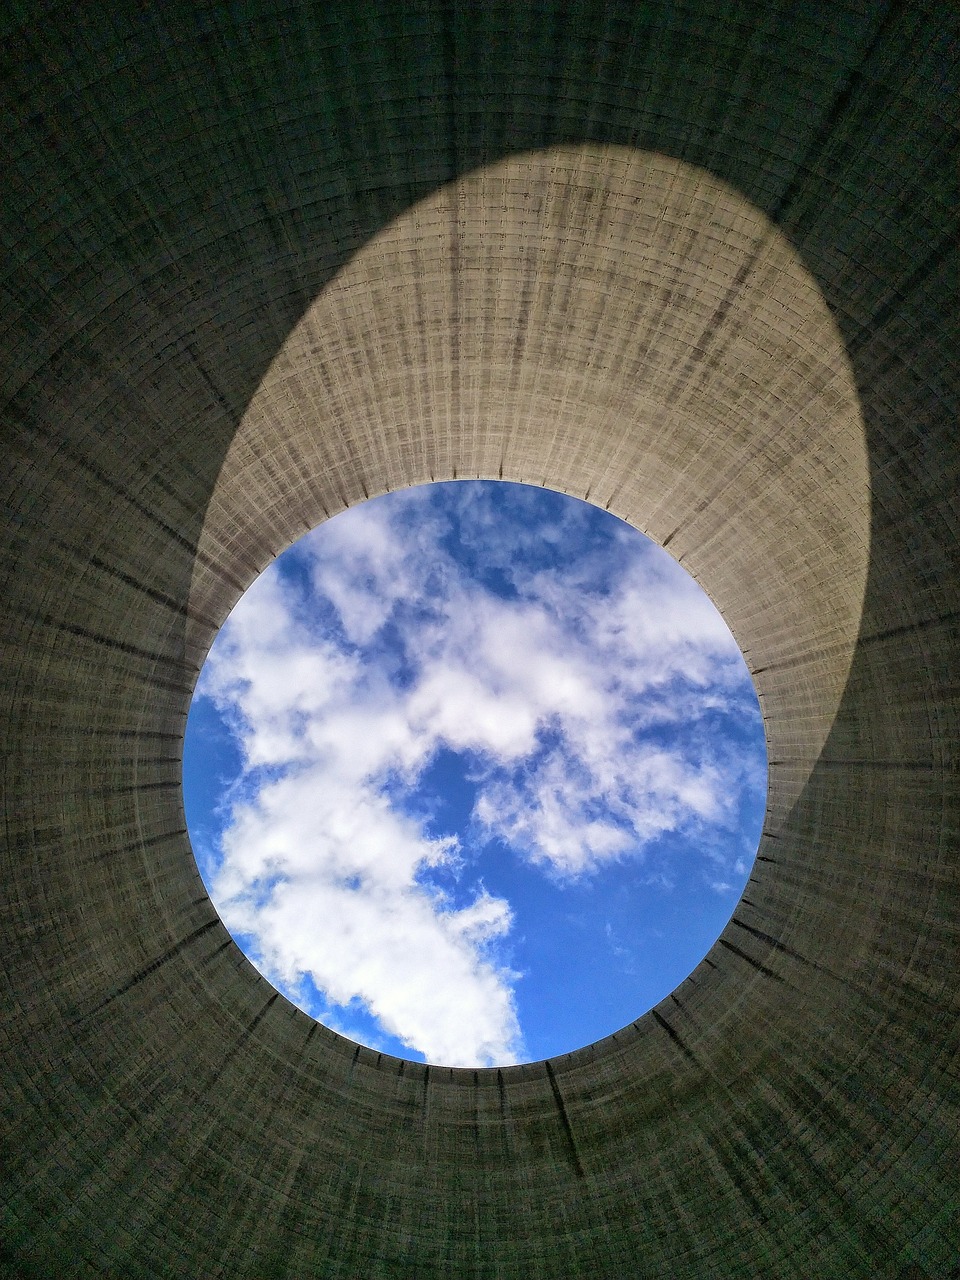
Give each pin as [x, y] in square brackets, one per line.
[200, 357]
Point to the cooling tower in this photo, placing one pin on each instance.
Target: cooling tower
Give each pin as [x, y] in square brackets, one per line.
[693, 262]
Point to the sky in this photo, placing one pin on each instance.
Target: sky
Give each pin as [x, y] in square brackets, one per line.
[475, 773]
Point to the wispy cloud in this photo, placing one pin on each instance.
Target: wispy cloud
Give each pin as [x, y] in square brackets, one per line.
[582, 694]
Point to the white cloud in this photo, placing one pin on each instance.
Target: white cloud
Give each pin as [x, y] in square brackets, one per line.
[322, 872]
[578, 696]
[327, 886]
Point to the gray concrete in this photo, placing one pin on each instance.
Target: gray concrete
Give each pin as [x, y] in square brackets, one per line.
[258, 265]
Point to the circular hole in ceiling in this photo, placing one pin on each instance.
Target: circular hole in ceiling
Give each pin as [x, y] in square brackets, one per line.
[475, 773]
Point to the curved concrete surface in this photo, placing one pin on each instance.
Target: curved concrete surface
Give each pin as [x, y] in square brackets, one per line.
[185, 187]
[613, 323]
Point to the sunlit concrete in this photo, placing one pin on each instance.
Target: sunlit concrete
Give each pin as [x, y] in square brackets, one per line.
[616, 324]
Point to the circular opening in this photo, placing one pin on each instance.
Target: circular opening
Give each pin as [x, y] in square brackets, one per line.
[475, 773]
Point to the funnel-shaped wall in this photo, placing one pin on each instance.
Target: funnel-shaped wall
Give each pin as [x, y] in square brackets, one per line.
[694, 263]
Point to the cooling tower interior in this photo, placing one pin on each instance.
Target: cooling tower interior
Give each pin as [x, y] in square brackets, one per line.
[693, 262]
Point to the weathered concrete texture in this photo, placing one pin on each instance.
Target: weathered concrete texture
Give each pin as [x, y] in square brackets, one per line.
[182, 189]
[615, 323]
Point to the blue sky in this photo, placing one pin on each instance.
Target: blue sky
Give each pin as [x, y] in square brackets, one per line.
[475, 773]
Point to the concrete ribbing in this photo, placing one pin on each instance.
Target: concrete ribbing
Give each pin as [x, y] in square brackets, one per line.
[617, 324]
[180, 190]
